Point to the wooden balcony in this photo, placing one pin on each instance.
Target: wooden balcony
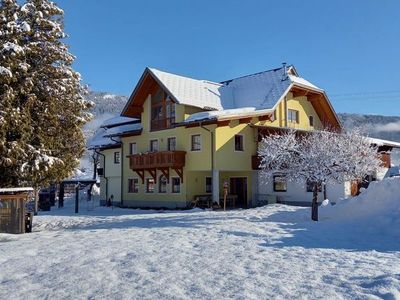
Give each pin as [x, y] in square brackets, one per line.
[255, 162]
[153, 161]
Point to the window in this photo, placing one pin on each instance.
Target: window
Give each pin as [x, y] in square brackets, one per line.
[208, 184]
[279, 183]
[153, 145]
[239, 143]
[162, 111]
[171, 144]
[149, 185]
[133, 185]
[196, 142]
[116, 158]
[162, 184]
[311, 120]
[310, 186]
[293, 116]
[132, 148]
[176, 185]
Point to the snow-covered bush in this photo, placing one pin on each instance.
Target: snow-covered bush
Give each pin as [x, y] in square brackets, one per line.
[319, 157]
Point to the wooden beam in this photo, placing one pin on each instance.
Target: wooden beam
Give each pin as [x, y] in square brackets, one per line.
[179, 171]
[245, 120]
[300, 93]
[141, 174]
[264, 118]
[134, 110]
[196, 124]
[153, 173]
[223, 123]
[165, 172]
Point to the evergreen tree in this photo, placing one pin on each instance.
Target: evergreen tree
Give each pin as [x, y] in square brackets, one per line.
[15, 127]
[49, 102]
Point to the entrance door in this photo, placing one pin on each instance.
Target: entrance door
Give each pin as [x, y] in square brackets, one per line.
[238, 187]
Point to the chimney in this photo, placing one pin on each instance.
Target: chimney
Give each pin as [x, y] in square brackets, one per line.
[284, 71]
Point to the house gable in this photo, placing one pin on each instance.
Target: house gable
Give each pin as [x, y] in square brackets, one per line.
[321, 104]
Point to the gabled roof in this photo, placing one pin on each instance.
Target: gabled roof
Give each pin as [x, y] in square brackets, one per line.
[260, 91]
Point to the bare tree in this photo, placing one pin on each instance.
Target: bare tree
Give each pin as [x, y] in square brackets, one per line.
[319, 158]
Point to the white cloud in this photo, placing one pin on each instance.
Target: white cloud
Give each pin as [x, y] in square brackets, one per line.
[389, 127]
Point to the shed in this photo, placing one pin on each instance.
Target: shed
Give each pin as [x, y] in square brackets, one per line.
[13, 214]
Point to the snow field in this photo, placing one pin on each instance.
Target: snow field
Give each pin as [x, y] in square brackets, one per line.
[269, 252]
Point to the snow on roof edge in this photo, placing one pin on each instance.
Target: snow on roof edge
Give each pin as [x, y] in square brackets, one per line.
[15, 190]
[381, 142]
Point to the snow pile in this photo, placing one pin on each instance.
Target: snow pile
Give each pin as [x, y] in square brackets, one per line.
[376, 209]
[276, 251]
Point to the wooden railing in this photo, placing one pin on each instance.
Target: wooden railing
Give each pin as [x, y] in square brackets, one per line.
[153, 160]
[162, 123]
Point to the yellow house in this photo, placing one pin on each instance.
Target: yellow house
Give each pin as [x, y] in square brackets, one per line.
[179, 139]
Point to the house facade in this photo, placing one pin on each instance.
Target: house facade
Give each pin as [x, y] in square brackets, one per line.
[180, 139]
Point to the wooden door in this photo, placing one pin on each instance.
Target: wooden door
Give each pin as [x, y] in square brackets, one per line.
[238, 187]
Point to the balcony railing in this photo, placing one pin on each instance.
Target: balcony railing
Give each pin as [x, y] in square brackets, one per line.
[162, 123]
[162, 159]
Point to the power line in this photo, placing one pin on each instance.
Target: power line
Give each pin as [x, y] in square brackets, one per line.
[360, 94]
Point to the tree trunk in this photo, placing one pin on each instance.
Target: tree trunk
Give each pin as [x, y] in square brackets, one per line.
[314, 205]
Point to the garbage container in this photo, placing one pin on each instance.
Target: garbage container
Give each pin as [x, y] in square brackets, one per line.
[44, 201]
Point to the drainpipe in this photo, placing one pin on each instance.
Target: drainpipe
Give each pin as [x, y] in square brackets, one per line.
[213, 171]
[104, 171]
[122, 169]
[286, 111]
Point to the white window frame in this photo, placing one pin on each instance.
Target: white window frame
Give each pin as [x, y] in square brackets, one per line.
[130, 148]
[309, 121]
[191, 141]
[133, 178]
[289, 115]
[146, 189]
[234, 143]
[159, 182]
[117, 161]
[172, 185]
[176, 142]
[158, 145]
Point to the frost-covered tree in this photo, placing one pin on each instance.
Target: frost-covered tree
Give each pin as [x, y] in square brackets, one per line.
[15, 130]
[318, 157]
[48, 108]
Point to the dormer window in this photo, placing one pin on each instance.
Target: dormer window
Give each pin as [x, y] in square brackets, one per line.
[162, 111]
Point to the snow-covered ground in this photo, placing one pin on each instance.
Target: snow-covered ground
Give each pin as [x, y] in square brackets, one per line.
[269, 252]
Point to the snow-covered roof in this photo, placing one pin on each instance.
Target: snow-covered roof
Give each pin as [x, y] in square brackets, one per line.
[122, 129]
[261, 90]
[100, 141]
[118, 121]
[16, 190]
[108, 137]
[225, 114]
[380, 142]
[200, 93]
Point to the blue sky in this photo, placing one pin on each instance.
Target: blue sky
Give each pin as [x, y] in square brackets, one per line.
[349, 48]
